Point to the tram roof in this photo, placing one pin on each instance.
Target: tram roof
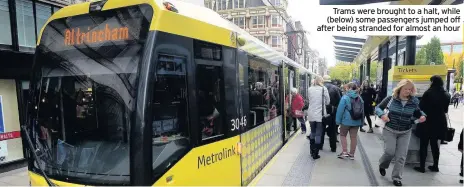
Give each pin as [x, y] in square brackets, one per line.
[252, 45]
[199, 14]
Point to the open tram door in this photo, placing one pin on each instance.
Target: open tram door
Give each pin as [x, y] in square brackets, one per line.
[289, 75]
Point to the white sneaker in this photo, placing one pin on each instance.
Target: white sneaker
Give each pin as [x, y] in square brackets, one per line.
[343, 155]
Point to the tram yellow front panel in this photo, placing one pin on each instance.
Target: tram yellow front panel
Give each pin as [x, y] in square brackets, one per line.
[38, 180]
[215, 164]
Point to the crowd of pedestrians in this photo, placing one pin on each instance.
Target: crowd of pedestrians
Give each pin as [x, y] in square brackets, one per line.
[332, 109]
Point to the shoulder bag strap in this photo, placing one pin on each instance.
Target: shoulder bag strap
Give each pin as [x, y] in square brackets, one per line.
[323, 103]
[448, 122]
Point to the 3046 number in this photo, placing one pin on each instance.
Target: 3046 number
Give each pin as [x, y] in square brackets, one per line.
[238, 122]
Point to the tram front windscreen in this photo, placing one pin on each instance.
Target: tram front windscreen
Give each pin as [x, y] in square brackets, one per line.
[84, 88]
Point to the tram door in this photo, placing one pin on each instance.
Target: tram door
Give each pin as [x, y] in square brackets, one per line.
[289, 84]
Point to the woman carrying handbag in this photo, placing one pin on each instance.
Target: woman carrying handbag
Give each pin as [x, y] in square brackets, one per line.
[318, 98]
[434, 103]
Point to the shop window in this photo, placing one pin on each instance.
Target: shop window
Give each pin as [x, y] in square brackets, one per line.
[25, 21]
[257, 21]
[11, 149]
[43, 12]
[276, 21]
[239, 21]
[263, 80]
[276, 41]
[5, 26]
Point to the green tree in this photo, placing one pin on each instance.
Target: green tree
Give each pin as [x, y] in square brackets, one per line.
[373, 75]
[421, 58]
[459, 71]
[434, 52]
[344, 71]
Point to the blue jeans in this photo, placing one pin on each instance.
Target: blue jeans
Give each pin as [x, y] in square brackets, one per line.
[303, 124]
[316, 131]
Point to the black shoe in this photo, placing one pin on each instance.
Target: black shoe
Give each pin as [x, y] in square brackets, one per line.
[460, 181]
[444, 143]
[397, 183]
[433, 168]
[316, 156]
[419, 169]
[382, 171]
[333, 150]
[377, 126]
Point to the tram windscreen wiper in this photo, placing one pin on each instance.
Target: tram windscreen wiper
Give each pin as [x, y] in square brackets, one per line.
[34, 153]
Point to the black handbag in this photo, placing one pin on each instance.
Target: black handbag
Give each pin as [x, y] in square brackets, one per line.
[306, 104]
[449, 131]
[325, 117]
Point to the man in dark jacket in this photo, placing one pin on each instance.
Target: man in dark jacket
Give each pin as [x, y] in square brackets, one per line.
[434, 103]
[331, 130]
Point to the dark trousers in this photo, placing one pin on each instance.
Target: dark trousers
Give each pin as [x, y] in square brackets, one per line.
[330, 129]
[461, 166]
[303, 124]
[424, 144]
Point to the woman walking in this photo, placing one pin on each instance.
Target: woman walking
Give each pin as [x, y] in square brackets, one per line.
[368, 96]
[346, 122]
[434, 103]
[403, 109]
[318, 98]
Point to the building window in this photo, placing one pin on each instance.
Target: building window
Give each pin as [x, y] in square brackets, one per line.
[25, 20]
[257, 21]
[276, 21]
[261, 38]
[55, 9]
[213, 5]
[222, 4]
[276, 41]
[5, 27]
[275, 2]
[229, 4]
[43, 12]
[239, 3]
[240, 21]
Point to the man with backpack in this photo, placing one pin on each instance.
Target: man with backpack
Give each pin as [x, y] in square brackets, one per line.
[350, 115]
[329, 122]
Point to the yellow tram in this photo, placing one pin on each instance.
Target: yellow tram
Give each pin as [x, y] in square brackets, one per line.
[144, 92]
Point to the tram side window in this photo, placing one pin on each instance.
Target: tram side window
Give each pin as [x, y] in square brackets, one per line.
[170, 122]
[210, 89]
[263, 79]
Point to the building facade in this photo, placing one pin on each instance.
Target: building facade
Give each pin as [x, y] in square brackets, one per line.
[264, 19]
[21, 22]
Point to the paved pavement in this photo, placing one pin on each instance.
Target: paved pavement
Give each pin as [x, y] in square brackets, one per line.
[293, 166]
